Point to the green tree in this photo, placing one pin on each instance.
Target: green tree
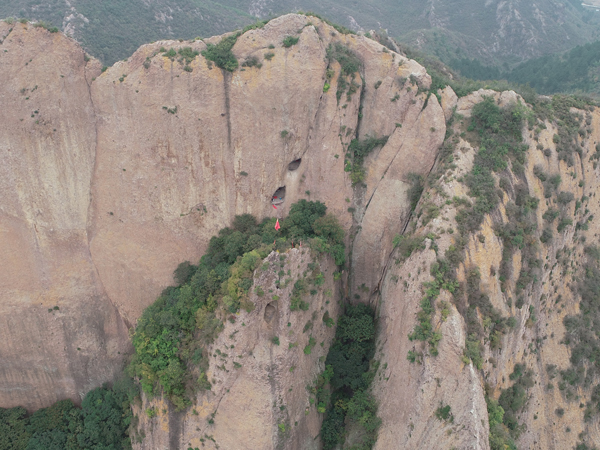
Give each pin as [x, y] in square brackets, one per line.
[13, 428]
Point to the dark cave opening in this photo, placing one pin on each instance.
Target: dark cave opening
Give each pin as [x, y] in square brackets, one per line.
[279, 196]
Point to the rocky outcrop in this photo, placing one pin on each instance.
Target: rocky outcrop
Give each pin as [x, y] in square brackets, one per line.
[112, 178]
[409, 419]
[262, 368]
[551, 418]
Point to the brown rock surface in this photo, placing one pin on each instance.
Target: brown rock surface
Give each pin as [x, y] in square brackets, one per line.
[121, 175]
[408, 393]
[47, 151]
[109, 180]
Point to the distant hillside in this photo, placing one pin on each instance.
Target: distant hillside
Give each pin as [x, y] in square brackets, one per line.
[494, 32]
[113, 29]
[502, 32]
[575, 71]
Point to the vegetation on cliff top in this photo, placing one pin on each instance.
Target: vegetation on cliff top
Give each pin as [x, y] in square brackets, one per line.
[499, 171]
[171, 336]
[112, 30]
[221, 53]
[350, 64]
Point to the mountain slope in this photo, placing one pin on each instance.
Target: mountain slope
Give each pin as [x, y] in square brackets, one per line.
[469, 226]
[112, 30]
[494, 32]
[147, 160]
[575, 71]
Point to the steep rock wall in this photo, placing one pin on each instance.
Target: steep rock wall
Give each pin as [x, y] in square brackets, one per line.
[222, 152]
[149, 160]
[420, 389]
[61, 334]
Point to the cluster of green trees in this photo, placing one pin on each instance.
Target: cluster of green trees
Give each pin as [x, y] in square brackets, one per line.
[102, 422]
[514, 398]
[221, 53]
[343, 388]
[172, 332]
[504, 426]
[500, 438]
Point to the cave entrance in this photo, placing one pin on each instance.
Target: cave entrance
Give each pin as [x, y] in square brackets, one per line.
[294, 164]
[270, 311]
[279, 196]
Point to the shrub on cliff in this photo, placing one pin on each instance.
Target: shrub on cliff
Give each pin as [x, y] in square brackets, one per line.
[499, 436]
[356, 154]
[347, 58]
[514, 398]
[221, 53]
[288, 41]
[188, 54]
[499, 132]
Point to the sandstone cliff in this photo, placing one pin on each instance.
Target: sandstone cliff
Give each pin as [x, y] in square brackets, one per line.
[114, 177]
[553, 416]
[111, 178]
[61, 333]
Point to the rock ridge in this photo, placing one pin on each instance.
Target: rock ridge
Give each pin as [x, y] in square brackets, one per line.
[114, 176]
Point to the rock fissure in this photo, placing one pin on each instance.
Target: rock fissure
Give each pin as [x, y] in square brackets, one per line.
[6, 36]
[226, 97]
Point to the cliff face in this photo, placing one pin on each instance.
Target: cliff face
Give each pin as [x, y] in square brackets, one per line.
[112, 178]
[61, 333]
[552, 416]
